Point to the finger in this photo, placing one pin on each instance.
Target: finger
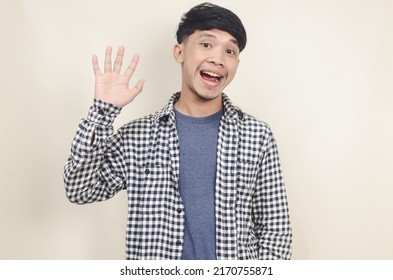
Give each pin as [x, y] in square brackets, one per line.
[108, 60]
[119, 60]
[131, 68]
[96, 67]
[137, 88]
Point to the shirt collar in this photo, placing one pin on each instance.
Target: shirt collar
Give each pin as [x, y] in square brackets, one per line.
[231, 112]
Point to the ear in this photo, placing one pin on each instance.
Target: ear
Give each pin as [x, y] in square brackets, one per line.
[178, 52]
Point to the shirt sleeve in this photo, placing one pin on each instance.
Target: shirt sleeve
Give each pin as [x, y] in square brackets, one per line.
[270, 207]
[95, 170]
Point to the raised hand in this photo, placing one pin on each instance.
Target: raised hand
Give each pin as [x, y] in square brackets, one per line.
[111, 86]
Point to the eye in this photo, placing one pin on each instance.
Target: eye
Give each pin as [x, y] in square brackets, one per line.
[206, 45]
[231, 52]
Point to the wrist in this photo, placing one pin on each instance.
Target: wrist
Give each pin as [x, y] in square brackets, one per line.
[103, 112]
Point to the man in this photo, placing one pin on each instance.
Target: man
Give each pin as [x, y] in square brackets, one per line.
[203, 178]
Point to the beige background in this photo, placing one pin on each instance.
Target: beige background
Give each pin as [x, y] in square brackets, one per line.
[319, 72]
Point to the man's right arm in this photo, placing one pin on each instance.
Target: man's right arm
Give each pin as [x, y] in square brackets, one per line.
[95, 169]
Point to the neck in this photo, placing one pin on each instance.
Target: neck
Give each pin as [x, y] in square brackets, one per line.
[198, 107]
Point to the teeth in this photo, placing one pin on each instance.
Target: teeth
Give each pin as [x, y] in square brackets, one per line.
[211, 74]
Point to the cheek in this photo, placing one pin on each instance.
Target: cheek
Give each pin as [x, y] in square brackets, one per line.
[188, 72]
[191, 66]
[232, 70]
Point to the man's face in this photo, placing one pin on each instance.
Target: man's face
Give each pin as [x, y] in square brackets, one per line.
[209, 61]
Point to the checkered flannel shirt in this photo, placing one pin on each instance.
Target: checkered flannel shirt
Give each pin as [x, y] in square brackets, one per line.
[252, 219]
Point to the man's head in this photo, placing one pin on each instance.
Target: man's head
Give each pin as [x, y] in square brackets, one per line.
[210, 39]
[207, 16]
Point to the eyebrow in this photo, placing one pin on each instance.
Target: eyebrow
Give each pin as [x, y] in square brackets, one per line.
[209, 35]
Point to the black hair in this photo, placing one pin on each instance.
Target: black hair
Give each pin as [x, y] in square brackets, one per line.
[207, 16]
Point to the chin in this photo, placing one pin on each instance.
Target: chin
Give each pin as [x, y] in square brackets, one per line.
[208, 96]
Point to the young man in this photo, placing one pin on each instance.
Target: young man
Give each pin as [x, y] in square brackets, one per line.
[203, 178]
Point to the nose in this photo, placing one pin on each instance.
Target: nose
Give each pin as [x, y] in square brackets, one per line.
[217, 57]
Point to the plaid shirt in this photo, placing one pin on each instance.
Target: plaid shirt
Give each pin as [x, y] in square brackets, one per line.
[252, 219]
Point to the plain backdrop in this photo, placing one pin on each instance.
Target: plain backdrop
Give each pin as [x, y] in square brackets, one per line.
[320, 72]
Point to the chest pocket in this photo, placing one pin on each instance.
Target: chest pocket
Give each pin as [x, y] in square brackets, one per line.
[156, 188]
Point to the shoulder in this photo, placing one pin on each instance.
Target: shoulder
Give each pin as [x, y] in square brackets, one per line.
[256, 135]
[153, 120]
[250, 128]
[254, 127]
[142, 125]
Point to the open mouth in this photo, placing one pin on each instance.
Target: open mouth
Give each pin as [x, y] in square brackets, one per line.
[211, 77]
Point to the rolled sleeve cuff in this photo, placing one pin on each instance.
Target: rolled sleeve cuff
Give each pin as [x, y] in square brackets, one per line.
[103, 113]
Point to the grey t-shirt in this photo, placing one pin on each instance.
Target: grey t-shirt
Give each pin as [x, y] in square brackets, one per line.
[198, 158]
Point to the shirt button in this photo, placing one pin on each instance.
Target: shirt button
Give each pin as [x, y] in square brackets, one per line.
[178, 242]
[147, 171]
[179, 210]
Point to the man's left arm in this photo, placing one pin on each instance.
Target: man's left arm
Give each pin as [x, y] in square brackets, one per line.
[270, 207]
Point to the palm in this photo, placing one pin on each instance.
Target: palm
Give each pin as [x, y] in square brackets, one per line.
[113, 87]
